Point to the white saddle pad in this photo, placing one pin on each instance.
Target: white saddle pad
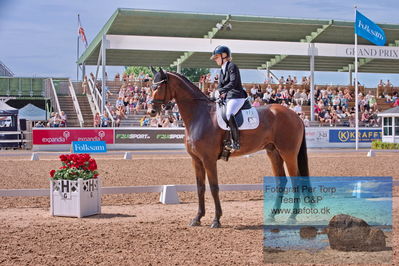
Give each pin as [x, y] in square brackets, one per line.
[250, 117]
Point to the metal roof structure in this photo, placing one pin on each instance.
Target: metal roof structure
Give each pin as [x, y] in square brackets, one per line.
[196, 26]
[391, 112]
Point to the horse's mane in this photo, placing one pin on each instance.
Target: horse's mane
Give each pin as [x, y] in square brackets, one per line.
[191, 85]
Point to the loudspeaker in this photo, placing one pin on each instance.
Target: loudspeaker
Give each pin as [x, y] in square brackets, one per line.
[22, 124]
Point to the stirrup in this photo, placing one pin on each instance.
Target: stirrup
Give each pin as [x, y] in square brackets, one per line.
[235, 146]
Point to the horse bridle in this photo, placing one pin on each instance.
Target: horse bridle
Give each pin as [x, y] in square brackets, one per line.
[155, 86]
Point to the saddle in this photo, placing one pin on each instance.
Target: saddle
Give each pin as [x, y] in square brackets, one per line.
[247, 117]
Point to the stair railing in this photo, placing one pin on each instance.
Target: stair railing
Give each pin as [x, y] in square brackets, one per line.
[98, 100]
[51, 93]
[75, 103]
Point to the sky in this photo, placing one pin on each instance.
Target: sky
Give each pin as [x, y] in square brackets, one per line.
[39, 37]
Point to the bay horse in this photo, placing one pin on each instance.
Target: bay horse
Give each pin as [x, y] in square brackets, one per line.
[280, 132]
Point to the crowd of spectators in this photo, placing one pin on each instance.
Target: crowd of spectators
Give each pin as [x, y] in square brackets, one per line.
[55, 120]
[333, 104]
[133, 99]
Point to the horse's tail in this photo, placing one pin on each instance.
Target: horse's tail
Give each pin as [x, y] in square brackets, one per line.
[303, 158]
[305, 185]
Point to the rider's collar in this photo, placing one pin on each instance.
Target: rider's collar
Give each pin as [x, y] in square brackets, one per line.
[224, 67]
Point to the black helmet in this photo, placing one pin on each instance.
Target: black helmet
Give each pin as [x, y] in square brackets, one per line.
[221, 49]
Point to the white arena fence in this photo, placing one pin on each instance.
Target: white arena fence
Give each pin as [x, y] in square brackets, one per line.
[168, 193]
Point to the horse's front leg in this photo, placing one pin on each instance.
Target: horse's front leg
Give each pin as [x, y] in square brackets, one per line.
[200, 177]
[211, 171]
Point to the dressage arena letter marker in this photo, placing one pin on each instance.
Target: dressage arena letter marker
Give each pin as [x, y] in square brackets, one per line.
[169, 195]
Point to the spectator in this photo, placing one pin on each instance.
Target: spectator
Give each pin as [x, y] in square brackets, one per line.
[306, 121]
[365, 117]
[257, 102]
[105, 120]
[63, 119]
[266, 97]
[253, 92]
[97, 120]
[334, 118]
[119, 102]
[145, 121]
[117, 77]
[298, 97]
[85, 85]
[175, 111]
[372, 102]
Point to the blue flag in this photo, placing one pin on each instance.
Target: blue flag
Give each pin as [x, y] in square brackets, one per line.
[369, 30]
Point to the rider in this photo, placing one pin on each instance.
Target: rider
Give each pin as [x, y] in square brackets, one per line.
[230, 88]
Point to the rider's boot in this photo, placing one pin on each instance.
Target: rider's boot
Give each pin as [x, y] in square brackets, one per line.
[235, 134]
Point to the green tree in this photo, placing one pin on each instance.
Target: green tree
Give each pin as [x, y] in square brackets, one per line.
[193, 74]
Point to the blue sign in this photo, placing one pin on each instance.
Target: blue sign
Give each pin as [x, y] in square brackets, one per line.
[349, 135]
[89, 146]
[369, 30]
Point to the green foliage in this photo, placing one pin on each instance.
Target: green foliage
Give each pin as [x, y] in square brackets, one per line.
[136, 70]
[193, 74]
[379, 145]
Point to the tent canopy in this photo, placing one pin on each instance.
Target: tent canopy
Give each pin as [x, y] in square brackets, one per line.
[32, 113]
[6, 109]
[133, 22]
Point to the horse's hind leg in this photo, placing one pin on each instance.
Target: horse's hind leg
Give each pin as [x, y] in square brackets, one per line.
[200, 176]
[280, 178]
[291, 162]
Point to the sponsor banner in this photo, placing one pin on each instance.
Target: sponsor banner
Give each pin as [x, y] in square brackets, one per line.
[348, 135]
[67, 136]
[316, 136]
[146, 136]
[89, 146]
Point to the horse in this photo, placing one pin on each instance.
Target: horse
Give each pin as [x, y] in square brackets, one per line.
[281, 133]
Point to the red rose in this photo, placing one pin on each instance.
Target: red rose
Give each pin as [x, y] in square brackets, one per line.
[85, 157]
[63, 158]
[52, 172]
[92, 165]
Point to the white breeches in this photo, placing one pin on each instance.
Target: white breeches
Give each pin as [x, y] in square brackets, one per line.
[233, 106]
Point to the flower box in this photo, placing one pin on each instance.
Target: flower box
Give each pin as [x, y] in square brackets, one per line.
[75, 189]
[75, 198]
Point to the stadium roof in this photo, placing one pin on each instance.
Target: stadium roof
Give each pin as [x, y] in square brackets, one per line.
[132, 22]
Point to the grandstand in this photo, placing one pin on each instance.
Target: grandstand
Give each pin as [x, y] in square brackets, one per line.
[129, 24]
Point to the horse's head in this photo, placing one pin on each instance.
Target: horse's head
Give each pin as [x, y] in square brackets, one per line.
[161, 94]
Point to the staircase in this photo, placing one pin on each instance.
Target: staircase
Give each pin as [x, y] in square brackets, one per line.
[85, 109]
[66, 105]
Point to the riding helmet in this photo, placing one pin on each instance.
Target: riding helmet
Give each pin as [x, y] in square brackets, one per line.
[221, 49]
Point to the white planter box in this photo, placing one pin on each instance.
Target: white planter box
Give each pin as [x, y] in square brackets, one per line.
[75, 198]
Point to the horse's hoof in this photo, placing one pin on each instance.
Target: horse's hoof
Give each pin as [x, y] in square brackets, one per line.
[216, 224]
[195, 222]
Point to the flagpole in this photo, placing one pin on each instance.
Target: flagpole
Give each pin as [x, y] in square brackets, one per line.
[77, 52]
[356, 93]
